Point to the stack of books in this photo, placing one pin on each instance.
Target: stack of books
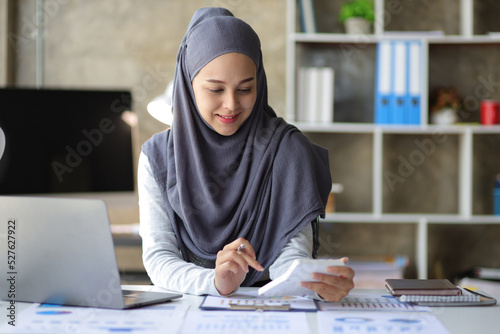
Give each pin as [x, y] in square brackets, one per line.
[307, 16]
[436, 292]
[315, 94]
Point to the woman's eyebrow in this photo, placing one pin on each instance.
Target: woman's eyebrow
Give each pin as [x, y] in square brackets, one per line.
[223, 82]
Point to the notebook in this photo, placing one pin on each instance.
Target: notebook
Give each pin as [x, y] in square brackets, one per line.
[466, 298]
[440, 287]
[60, 251]
[436, 292]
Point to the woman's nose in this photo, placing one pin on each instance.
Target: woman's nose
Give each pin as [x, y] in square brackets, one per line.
[231, 101]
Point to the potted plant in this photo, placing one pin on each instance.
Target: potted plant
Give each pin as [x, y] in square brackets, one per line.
[357, 15]
[445, 106]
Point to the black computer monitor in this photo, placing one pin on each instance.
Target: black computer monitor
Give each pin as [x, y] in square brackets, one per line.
[65, 141]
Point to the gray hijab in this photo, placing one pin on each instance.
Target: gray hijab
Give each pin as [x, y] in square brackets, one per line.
[263, 183]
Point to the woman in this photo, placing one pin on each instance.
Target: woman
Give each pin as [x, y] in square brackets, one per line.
[228, 194]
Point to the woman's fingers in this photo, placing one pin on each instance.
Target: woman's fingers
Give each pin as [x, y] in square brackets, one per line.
[228, 259]
[252, 262]
[332, 287]
[241, 243]
[246, 253]
[231, 265]
[346, 272]
[325, 291]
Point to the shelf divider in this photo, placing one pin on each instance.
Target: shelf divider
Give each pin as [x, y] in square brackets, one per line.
[465, 173]
[421, 251]
[379, 24]
[377, 192]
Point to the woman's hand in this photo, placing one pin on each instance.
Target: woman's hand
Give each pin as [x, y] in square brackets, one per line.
[231, 266]
[333, 287]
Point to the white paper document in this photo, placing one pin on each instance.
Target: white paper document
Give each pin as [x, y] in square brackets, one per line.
[378, 322]
[248, 322]
[300, 270]
[66, 319]
[371, 302]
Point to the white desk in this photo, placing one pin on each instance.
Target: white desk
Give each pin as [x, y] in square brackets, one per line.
[457, 320]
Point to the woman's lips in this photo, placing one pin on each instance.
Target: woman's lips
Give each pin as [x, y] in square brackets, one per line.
[227, 119]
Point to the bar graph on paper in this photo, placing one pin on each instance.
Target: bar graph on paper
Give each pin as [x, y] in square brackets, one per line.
[371, 302]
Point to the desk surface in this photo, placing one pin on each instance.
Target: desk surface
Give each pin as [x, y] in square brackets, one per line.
[457, 320]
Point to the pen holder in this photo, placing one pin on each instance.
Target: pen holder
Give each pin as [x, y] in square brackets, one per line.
[496, 201]
[490, 112]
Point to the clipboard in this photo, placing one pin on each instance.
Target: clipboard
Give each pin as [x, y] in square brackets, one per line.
[250, 303]
[259, 307]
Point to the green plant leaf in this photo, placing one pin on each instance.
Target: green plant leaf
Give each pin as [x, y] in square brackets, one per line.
[357, 8]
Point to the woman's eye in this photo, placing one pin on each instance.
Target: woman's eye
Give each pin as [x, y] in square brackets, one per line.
[215, 91]
[244, 90]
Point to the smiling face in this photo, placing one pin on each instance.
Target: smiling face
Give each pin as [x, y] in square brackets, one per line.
[225, 91]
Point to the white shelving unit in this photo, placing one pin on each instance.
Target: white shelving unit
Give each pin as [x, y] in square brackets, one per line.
[465, 133]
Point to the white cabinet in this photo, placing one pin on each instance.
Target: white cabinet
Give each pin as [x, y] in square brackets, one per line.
[444, 164]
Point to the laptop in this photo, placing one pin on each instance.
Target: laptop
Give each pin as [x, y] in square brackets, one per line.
[60, 251]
